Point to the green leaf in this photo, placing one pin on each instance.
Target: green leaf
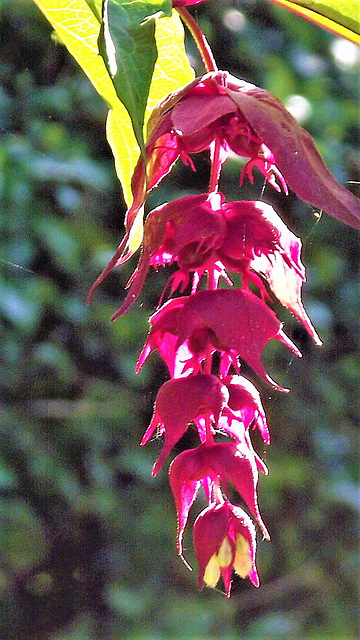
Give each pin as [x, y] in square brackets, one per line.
[128, 47]
[78, 28]
[341, 17]
[172, 72]
[96, 8]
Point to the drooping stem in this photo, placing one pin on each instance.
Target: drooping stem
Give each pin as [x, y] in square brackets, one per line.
[199, 39]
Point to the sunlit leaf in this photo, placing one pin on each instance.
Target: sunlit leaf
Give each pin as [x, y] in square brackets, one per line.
[96, 7]
[341, 17]
[171, 72]
[78, 28]
[128, 47]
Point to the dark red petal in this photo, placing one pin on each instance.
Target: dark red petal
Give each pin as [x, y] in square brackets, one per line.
[234, 462]
[249, 230]
[119, 252]
[161, 157]
[294, 151]
[225, 460]
[179, 402]
[184, 485]
[182, 399]
[279, 262]
[194, 113]
[163, 334]
[246, 403]
[286, 284]
[239, 322]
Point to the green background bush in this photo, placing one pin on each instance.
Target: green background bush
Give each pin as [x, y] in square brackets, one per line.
[87, 538]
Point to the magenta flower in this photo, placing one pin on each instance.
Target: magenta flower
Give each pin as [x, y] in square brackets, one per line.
[258, 240]
[187, 231]
[244, 409]
[202, 233]
[224, 540]
[163, 338]
[199, 399]
[245, 405]
[234, 322]
[207, 466]
[190, 121]
[185, 330]
[247, 121]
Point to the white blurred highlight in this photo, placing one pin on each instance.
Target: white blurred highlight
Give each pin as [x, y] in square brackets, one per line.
[234, 20]
[345, 53]
[299, 107]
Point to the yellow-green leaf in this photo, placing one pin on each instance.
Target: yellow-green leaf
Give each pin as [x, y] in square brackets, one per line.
[128, 46]
[78, 29]
[341, 17]
[96, 7]
[172, 71]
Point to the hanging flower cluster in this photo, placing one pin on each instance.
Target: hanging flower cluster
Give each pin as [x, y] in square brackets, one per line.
[208, 238]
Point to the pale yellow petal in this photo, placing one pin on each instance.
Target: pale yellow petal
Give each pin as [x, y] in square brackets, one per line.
[225, 554]
[242, 544]
[212, 572]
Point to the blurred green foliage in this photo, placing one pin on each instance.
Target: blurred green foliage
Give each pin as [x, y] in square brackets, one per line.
[87, 538]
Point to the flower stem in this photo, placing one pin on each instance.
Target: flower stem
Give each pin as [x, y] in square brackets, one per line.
[211, 281]
[209, 434]
[208, 360]
[199, 39]
[215, 165]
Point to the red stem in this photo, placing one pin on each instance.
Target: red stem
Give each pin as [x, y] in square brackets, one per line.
[211, 283]
[215, 167]
[199, 39]
[209, 435]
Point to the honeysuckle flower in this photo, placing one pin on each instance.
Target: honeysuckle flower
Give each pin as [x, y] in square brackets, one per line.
[236, 429]
[258, 240]
[236, 323]
[245, 120]
[163, 337]
[203, 233]
[189, 121]
[232, 404]
[206, 466]
[199, 399]
[224, 540]
[242, 410]
[188, 231]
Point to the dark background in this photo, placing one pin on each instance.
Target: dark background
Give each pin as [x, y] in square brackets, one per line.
[87, 537]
